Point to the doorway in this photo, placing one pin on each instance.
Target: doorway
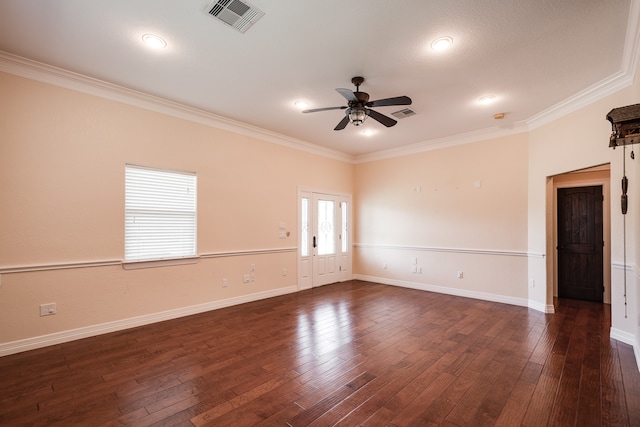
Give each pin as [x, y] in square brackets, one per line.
[588, 177]
[324, 246]
[580, 243]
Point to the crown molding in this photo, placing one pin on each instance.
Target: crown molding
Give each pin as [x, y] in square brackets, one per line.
[631, 52]
[445, 142]
[615, 82]
[593, 93]
[34, 70]
[605, 87]
[44, 73]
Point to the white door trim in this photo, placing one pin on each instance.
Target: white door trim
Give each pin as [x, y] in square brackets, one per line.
[344, 259]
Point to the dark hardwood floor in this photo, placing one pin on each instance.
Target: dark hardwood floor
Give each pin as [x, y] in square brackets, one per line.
[347, 354]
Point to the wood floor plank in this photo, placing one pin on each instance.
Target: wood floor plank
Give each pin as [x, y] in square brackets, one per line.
[631, 382]
[347, 354]
[411, 413]
[468, 408]
[388, 384]
[440, 408]
[314, 412]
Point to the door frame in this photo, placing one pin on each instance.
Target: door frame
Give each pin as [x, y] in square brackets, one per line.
[606, 227]
[345, 260]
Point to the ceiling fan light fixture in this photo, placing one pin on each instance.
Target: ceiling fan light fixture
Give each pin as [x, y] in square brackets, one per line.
[356, 111]
[357, 116]
[301, 104]
[441, 43]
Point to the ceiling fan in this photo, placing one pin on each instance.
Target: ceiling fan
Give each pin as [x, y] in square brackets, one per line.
[357, 107]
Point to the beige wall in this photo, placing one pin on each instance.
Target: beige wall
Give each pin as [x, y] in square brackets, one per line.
[62, 158]
[462, 208]
[577, 141]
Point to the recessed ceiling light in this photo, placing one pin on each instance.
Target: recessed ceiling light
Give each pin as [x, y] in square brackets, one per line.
[154, 41]
[487, 99]
[441, 43]
[301, 104]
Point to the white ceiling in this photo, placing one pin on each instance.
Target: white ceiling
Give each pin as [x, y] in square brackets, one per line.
[530, 54]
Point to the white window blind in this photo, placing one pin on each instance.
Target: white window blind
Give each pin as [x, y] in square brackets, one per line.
[160, 214]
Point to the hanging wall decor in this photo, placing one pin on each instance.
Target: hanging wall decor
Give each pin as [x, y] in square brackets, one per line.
[625, 130]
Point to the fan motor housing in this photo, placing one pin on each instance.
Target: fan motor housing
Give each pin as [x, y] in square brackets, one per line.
[363, 98]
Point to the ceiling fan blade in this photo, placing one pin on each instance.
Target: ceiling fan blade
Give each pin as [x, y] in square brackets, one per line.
[343, 123]
[398, 100]
[387, 121]
[324, 109]
[347, 93]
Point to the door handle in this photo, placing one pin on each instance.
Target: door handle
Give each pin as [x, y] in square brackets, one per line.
[314, 241]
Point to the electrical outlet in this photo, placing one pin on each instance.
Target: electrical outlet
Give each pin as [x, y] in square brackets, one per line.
[460, 275]
[284, 271]
[246, 278]
[225, 282]
[48, 309]
[253, 277]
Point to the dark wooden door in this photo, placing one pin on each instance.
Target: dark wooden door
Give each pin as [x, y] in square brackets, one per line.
[580, 270]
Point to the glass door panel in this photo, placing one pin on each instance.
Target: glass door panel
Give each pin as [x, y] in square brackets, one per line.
[326, 229]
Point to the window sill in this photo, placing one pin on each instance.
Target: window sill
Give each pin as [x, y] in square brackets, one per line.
[135, 265]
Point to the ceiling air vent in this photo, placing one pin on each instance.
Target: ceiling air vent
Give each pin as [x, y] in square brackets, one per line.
[235, 13]
[406, 112]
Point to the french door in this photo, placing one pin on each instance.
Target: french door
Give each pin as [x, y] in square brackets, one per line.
[324, 246]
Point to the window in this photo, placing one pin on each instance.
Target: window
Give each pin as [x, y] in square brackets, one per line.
[160, 214]
[345, 228]
[304, 232]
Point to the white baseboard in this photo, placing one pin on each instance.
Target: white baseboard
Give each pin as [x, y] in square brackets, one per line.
[450, 291]
[622, 336]
[118, 325]
[545, 308]
[627, 338]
